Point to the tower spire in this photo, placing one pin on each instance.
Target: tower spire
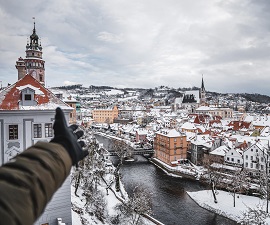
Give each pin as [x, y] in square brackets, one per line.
[202, 93]
[33, 64]
[202, 86]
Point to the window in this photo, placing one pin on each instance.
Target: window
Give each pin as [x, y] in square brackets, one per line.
[251, 165]
[246, 156]
[228, 159]
[48, 130]
[251, 157]
[246, 164]
[27, 97]
[238, 160]
[37, 131]
[13, 132]
[232, 159]
[175, 140]
[232, 153]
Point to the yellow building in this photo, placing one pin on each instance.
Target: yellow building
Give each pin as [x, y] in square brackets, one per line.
[215, 111]
[170, 146]
[105, 115]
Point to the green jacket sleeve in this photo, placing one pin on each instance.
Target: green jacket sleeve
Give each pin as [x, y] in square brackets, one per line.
[28, 182]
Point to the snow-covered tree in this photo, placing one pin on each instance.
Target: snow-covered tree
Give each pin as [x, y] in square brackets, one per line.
[89, 175]
[213, 175]
[236, 182]
[139, 203]
[254, 216]
[122, 150]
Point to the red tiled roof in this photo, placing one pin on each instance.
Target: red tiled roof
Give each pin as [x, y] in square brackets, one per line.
[237, 125]
[10, 96]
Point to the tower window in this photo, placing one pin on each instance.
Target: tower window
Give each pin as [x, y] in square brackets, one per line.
[27, 97]
[32, 53]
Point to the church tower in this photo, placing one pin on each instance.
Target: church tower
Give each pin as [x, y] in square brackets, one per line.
[33, 64]
[202, 93]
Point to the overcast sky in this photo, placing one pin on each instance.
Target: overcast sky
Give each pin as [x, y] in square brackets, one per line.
[143, 43]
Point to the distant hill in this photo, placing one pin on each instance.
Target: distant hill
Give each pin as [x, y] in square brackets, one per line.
[172, 93]
[255, 97]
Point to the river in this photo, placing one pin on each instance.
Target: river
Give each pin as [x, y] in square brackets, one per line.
[171, 204]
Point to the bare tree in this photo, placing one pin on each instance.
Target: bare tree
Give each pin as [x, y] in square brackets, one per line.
[122, 149]
[138, 204]
[237, 183]
[213, 175]
[89, 175]
[254, 216]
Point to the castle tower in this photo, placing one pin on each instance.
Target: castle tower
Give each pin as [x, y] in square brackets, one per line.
[20, 66]
[202, 93]
[33, 64]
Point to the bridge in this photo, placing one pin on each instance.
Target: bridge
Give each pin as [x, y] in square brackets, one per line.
[136, 151]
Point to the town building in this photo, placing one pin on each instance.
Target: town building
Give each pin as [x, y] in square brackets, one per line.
[215, 111]
[170, 146]
[234, 157]
[105, 115]
[200, 146]
[256, 157]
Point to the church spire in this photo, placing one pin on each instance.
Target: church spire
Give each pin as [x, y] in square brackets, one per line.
[202, 86]
[202, 93]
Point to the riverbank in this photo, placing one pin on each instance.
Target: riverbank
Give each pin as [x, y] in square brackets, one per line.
[224, 206]
[112, 198]
[179, 171]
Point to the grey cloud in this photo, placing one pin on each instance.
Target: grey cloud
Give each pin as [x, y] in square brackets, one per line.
[143, 43]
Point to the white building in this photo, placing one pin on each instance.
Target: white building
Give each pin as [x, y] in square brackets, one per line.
[27, 111]
[234, 156]
[255, 157]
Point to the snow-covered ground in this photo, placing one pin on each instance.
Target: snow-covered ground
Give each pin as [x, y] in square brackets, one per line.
[225, 203]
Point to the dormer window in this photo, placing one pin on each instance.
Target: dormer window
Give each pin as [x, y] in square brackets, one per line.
[27, 97]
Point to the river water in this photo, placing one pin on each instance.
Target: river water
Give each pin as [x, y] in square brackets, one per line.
[171, 204]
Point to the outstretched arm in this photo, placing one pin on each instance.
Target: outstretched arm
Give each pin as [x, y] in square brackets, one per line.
[28, 182]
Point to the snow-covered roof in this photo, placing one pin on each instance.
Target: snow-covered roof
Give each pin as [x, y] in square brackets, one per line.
[169, 133]
[189, 126]
[221, 151]
[45, 99]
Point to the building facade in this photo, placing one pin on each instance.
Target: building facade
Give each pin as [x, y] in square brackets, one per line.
[170, 146]
[105, 115]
